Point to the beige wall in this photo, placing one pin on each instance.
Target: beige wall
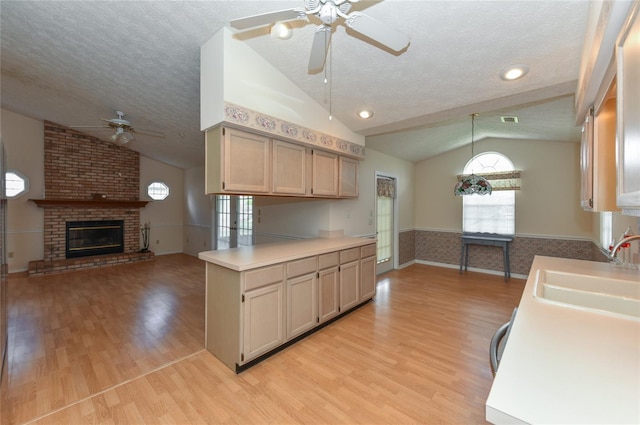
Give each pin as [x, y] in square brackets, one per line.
[166, 216]
[198, 212]
[547, 205]
[24, 147]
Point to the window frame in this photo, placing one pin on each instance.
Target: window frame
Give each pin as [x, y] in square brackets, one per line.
[20, 175]
[500, 211]
[159, 182]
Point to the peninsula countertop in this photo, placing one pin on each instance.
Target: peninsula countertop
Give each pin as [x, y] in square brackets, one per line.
[569, 365]
[252, 257]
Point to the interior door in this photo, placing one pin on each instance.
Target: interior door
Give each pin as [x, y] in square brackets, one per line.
[385, 219]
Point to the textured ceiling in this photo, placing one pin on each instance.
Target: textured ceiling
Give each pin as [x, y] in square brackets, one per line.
[76, 62]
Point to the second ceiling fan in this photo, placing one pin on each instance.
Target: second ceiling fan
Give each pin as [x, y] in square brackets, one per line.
[329, 11]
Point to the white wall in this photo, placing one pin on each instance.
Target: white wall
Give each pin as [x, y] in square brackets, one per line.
[231, 71]
[547, 205]
[167, 216]
[198, 212]
[24, 147]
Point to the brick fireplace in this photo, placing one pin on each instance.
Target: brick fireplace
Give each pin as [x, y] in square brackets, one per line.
[87, 179]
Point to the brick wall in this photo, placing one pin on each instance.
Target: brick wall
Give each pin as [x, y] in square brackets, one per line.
[76, 166]
[445, 247]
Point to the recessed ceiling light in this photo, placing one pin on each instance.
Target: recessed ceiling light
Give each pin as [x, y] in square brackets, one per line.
[364, 114]
[514, 72]
[281, 30]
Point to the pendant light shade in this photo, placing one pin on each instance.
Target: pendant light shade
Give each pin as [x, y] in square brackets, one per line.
[472, 184]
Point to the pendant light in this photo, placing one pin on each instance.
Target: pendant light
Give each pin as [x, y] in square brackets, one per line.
[470, 184]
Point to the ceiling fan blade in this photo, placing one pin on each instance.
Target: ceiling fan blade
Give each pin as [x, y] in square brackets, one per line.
[377, 31]
[267, 18]
[321, 41]
[148, 132]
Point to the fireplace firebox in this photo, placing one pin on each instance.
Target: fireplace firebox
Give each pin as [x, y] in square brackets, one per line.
[85, 238]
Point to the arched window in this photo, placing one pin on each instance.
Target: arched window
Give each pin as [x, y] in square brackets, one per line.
[495, 213]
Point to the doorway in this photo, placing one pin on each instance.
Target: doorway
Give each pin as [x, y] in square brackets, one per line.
[385, 222]
[234, 221]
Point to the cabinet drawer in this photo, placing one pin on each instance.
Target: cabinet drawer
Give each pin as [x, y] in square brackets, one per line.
[368, 251]
[300, 267]
[264, 276]
[349, 255]
[327, 260]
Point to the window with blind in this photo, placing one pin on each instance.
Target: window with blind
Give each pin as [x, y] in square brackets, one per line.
[493, 213]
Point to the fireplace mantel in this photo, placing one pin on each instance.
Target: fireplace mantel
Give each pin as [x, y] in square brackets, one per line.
[89, 203]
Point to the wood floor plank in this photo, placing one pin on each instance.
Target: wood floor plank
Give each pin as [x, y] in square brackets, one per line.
[126, 347]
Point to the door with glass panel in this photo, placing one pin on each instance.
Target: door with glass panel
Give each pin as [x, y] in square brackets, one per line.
[385, 205]
[234, 221]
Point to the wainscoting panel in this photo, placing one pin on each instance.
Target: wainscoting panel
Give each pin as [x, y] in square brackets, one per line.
[445, 247]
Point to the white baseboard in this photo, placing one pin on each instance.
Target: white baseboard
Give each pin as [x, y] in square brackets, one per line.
[472, 269]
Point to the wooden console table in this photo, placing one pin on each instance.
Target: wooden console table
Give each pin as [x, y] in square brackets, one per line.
[492, 239]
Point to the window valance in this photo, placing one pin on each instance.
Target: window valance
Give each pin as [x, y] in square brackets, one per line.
[500, 180]
[386, 188]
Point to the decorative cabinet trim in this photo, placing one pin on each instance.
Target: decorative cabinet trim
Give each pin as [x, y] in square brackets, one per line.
[247, 118]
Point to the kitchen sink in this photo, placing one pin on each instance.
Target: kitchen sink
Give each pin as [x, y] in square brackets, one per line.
[602, 295]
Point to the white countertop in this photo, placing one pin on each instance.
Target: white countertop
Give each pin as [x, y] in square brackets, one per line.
[251, 257]
[566, 365]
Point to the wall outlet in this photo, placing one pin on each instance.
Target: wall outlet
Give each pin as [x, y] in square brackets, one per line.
[10, 254]
[348, 214]
[157, 241]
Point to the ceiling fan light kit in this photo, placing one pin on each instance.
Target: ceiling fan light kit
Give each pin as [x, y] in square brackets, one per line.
[123, 132]
[328, 12]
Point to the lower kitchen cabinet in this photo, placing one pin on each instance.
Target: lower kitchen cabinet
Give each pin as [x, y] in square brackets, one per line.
[253, 312]
[368, 272]
[263, 324]
[302, 304]
[328, 306]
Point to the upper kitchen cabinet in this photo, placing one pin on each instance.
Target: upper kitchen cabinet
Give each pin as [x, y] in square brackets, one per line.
[289, 164]
[325, 173]
[597, 159]
[243, 163]
[628, 123]
[348, 177]
[237, 162]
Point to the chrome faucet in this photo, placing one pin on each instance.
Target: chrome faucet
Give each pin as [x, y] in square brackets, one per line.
[614, 250]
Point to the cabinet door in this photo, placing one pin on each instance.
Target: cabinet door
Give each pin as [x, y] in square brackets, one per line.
[628, 142]
[325, 173]
[586, 162]
[367, 278]
[328, 281]
[263, 327]
[302, 304]
[348, 178]
[349, 285]
[246, 162]
[289, 168]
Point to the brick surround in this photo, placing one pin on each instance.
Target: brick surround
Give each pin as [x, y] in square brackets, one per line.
[77, 166]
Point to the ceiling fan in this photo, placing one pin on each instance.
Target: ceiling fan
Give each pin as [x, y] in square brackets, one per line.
[328, 11]
[123, 131]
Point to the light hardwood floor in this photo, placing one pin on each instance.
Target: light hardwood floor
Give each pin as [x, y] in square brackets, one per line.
[124, 345]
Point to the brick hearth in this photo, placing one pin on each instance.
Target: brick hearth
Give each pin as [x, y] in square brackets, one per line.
[78, 167]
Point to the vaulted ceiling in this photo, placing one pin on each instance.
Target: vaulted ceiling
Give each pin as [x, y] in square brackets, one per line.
[76, 62]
